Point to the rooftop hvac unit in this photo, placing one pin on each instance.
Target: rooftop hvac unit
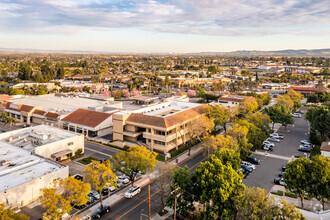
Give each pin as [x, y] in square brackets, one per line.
[5, 163]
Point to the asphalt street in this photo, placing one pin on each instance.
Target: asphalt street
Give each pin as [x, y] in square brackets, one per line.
[137, 207]
[270, 166]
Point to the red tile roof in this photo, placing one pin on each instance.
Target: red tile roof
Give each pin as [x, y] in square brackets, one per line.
[26, 108]
[52, 115]
[87, 118]
[5, 97]
[169, 121]
[39, 112]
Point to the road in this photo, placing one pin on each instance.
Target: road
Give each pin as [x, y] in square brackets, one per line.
[271, 165]
[137, 207]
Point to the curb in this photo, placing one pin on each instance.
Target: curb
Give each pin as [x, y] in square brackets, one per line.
[102, 145]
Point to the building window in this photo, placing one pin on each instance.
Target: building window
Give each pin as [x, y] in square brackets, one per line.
[72, 128]
[159, 142]
[65, 126]
[160, 132]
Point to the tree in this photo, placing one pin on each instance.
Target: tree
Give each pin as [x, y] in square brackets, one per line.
[17, 92]
[8, 214]
[320, 179]
[86, 89]
[10, 121]
[182, 191]
[164, 176]
[214, 143]
[197, 129]
[248, 106]
[285, 100]
[239, 133]
[100, 174]
[279, 113]
[25, 71]
[297, 177]
[218, 186]
[319, 118]
[221, 116]
[75, 191]
[135, 160]
[54, 203]
[60, 73]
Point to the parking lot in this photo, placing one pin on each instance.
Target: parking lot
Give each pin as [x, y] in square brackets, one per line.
[271, 164]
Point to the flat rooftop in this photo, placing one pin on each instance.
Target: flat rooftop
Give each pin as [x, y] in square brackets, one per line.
[19, 166]
[59, 104]
[166, 108]
[32, 137]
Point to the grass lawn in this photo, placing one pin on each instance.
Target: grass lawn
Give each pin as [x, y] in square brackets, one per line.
[87, 160]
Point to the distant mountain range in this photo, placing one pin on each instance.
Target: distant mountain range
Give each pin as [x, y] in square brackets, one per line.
[289, 52]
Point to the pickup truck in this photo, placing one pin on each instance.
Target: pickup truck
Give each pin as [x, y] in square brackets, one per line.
[278, 136]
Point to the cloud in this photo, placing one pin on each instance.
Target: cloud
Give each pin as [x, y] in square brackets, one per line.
[205, 17]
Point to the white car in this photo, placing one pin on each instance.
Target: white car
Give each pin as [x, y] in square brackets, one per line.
[273, 139]
[123, 179]
[268, 143]
[305, 142]
[248, 164]
[296, 115]
[132, 191]
[276, 135]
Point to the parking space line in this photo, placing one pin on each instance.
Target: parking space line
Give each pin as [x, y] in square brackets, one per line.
[98, 152]
[272, 155]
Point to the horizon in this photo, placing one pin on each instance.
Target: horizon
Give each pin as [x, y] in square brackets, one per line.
[164, 26]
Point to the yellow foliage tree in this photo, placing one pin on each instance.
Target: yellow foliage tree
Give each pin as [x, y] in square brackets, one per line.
[8, 214]
[100, 174]
[135, 160]
[285, 100]
[75, 191]
[249, 106]
[212, 144]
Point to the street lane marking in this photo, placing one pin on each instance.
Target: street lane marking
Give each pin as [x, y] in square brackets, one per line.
[98, 152]
[154, 194]
[272, 155]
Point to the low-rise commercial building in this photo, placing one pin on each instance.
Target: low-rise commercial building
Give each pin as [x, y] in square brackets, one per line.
[89, 123]
[161, 127]
[49, 142]
[230, 101]
[23, 174]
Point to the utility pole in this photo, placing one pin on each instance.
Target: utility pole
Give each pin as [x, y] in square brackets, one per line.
[174, 216]
[149, 201]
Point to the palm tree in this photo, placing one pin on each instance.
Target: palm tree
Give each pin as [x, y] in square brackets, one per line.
[4, 115]
[10, 121]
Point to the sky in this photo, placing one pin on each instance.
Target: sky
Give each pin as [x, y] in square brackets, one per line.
[171, 26]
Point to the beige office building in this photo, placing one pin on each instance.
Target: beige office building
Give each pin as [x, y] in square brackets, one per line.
[161, 127]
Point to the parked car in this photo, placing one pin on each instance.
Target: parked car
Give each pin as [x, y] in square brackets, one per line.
[245, 163]
[91, 198]
[105, 191]
[79, 206]
[281, 174]
[283, 168]
[101, 211]
[269, 143]
[102, 160]
[274, 139]
[296, 115]
[86, 217]
[279, 181]
[78, 177]
[253, 160]
[305, 142]
[303, 148]
[299, 111]
[276, 135]
[247, 168]
[94, 194]
[245, 172]
[123, 179]
[267, 147]
[132, 191]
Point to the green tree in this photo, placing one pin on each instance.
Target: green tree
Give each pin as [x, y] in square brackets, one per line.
[221, 116]
[135, 160]
[60, 73]
[25, 71]
[320, 179]
[279, 113]
[298, 178]
[10, 121]
[182, 190]
[319, 118]
[218, 186]
[17, 92]
[100, 174]
[8, 214]
[239, 133]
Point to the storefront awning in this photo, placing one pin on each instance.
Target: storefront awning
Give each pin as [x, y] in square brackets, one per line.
[61, 153]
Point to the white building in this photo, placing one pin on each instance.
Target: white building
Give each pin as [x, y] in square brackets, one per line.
[49, 142]
[23, 174]
[325, 149]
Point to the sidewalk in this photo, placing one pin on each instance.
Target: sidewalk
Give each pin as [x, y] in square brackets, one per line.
[312, 208]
